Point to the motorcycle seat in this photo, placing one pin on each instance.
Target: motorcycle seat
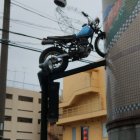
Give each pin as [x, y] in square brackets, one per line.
[69, 37]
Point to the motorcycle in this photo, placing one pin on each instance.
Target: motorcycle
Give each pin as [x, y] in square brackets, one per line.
[72, 47]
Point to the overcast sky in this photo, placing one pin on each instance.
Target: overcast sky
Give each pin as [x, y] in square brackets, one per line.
[23, 64]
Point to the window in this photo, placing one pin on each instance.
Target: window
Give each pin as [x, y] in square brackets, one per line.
[1, 126]
[73, 133]
[8, 108]
[9, 96]
[7, 118]
[39, 101]
[39, 121]
[25, 110]
[7, 130]
[25, 98]
[104, 130]
[24, 120]
[23, 139]
[24, 132]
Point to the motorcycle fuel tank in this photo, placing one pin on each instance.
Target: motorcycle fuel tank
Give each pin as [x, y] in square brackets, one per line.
[85, 31]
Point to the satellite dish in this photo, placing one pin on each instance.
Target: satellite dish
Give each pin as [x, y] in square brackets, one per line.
[61, 3]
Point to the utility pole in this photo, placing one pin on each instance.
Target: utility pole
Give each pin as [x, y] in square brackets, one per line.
[3, 64]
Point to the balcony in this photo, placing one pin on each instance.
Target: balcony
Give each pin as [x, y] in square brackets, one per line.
[81, 112]
[81, 109]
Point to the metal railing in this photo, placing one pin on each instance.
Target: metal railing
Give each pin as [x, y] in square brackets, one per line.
[81, 109]
[17, 79]
[23, 85]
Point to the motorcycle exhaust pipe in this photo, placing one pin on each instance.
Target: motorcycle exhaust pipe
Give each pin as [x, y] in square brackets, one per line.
[62, 55]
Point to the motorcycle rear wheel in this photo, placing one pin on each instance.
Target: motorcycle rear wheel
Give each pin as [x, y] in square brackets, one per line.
[54, 64]
[99, 45]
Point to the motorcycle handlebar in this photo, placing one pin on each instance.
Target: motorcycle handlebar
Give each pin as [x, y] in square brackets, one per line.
[90, 21]
[84, 14]
[87, 16]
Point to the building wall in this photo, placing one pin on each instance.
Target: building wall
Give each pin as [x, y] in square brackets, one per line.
[22, 116]
[122, 25]
[28, 109]
[83, 81]
[84, 105]
[89, 81]
[95, 129]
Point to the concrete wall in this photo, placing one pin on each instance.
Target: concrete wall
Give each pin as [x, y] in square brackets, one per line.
[16, 108]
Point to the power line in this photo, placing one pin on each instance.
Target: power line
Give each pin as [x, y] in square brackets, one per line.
[63, 18]
[36, 25]
[10, 43]
[74, 9]
[31, 8]
[27, 43]
[20, 34]
[19, 45]
[29, 23]
[32, 25]
[24, 47]
[34, 12]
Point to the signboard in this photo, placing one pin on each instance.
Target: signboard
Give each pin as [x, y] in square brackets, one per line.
[84, 133]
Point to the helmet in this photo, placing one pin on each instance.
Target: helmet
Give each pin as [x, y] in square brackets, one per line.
[97, 20]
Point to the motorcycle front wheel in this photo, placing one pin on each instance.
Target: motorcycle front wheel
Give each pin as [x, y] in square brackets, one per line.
[51, 57]
[99, 45]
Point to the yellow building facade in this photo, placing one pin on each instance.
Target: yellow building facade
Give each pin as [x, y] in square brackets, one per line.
[84, 106]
